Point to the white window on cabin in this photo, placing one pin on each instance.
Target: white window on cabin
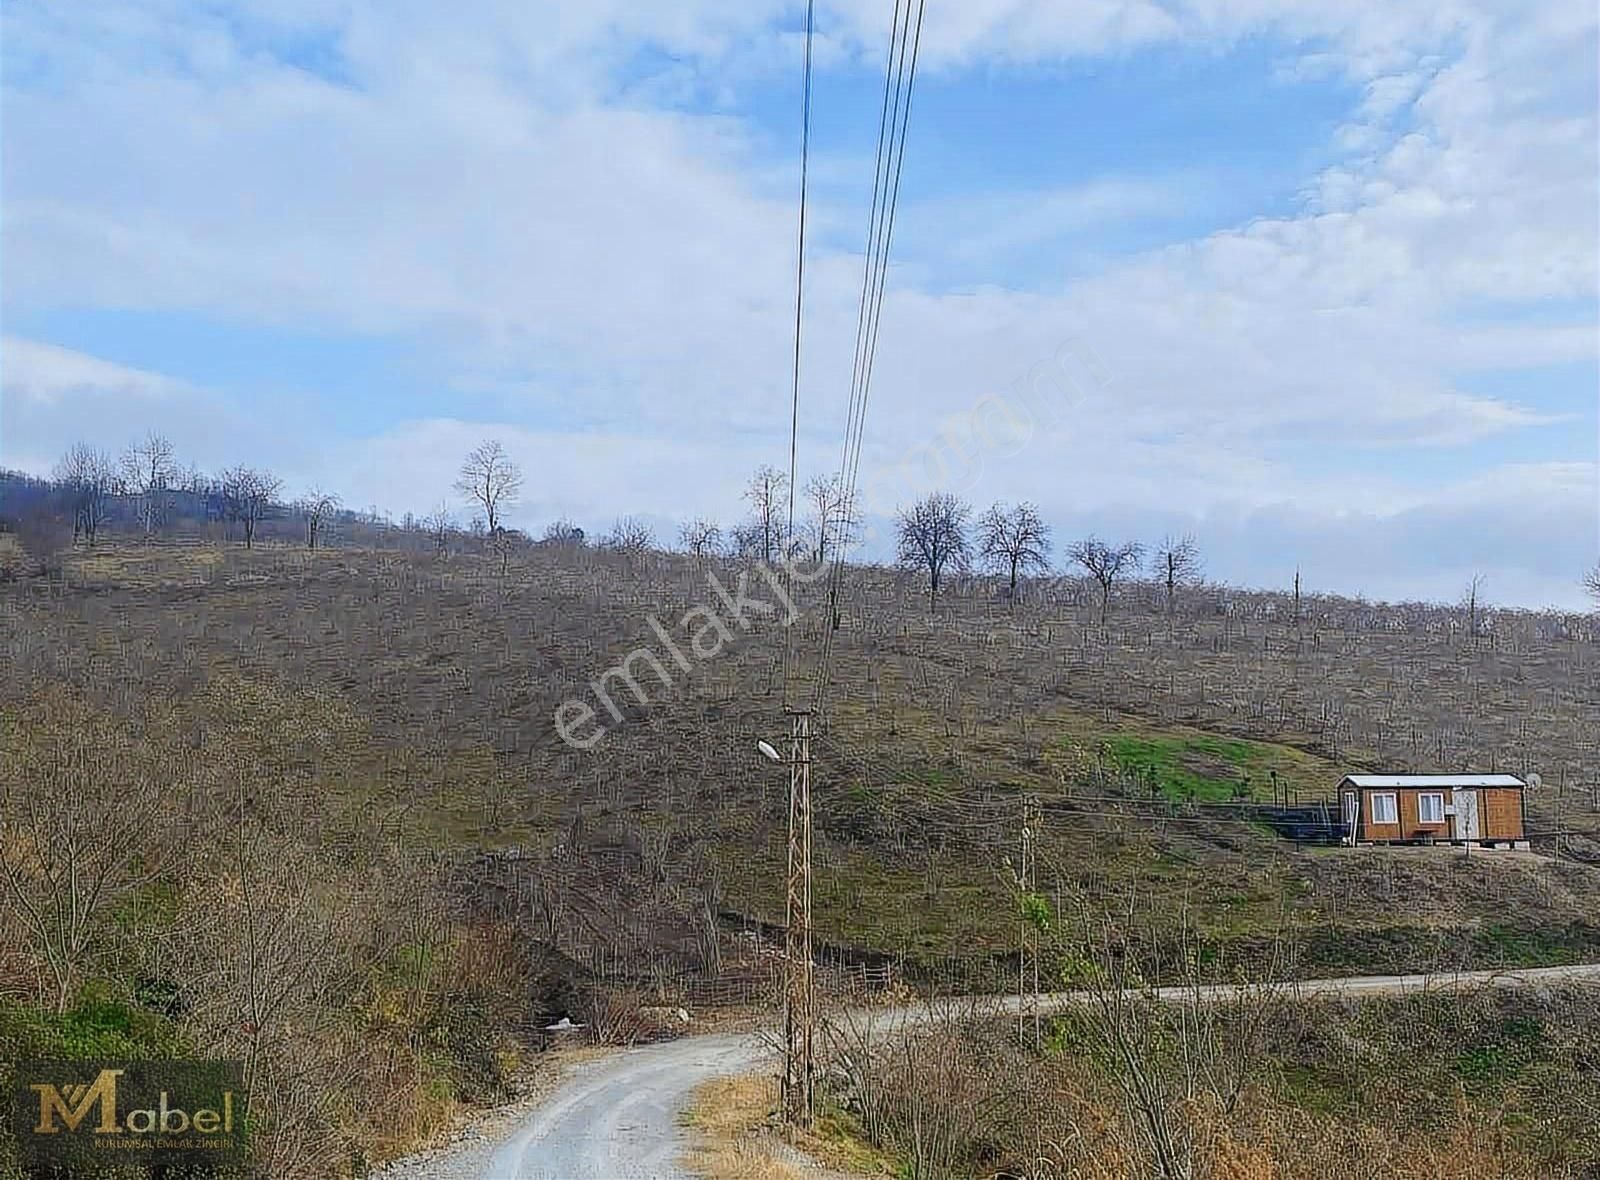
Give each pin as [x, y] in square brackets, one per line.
[1385, 810]
[1430, 809]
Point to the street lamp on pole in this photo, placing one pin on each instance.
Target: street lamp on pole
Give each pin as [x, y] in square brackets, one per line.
[800, 1001]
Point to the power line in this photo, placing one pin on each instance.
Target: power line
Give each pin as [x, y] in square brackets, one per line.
[800, 990]
[894, 121]
[874, 266]
[800, 1005]
[799, 304]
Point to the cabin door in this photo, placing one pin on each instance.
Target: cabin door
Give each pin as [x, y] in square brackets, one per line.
[1467, 825]
[1350, 812]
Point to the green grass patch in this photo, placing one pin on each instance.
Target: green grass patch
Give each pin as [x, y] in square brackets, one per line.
[1194, 766]
[94, 1028]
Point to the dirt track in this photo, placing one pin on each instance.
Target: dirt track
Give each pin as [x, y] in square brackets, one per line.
[618, 1117]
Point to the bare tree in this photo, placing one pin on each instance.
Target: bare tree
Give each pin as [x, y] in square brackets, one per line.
[491, 479]
[1471, 603]
[700, 538]
[933, 537]
[89, 479]
[1014, 541]
[833, 521]
[248, 493]
[1177, 563]
[1106, 563]
[564, 532]
[69, 858]
[505, 542]
[439, 525]
[148, 470]
[766, 492]
[745, 539]
[1164, 1055]
[630, 535]
[1591, 583]
[317, 507]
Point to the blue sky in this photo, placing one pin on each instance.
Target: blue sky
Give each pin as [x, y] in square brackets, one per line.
[1315, 281]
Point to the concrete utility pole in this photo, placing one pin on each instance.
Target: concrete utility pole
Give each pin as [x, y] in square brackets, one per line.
[800, 997]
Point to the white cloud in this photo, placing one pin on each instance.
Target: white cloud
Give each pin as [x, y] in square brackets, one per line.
[44, 374]
[488, 178]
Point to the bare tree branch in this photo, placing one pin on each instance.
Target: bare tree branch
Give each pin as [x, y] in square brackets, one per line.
[764, 534]
[833, 522]
[439, 525]
[491, 479]
[1106, 563]
[1176, 564]
[247, 494]
[630, 535]
[89, 478]
[700, 537]
[1014, 541]
[149, 469]
[317, 506]
[564, 532]
[933, 537]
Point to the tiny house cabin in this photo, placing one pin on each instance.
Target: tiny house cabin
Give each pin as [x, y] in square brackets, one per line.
[1467, 809]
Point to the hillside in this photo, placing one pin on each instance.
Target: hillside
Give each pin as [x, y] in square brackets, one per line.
[358, 749]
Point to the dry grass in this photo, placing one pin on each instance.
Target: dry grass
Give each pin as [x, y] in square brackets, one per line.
[936, 725]
[1481, 1084]
[736, 1137]
[386, 717]
[13, 558]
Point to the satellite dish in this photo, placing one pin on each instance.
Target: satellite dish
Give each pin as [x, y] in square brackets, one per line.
[766, 748]
[1535, 781]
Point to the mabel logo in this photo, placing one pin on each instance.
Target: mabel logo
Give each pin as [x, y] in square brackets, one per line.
[71, 1104]
[151, 1111]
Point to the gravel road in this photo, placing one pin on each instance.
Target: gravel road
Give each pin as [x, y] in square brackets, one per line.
[617, 1117]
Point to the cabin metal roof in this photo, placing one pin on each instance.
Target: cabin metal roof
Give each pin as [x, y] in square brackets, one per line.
[1367, 781]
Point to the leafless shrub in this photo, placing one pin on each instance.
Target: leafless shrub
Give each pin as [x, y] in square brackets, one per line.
[12, 557]
[69, 855]
[563, 532]
[1168, 1050]
[317, 507]
[439, 524]
[935, 1089]
[631, 536]
[616, 1016]
[258, 948]
[505, 542]
[700, 538]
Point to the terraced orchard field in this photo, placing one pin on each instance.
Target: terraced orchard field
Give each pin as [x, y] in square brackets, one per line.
[353, 754]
